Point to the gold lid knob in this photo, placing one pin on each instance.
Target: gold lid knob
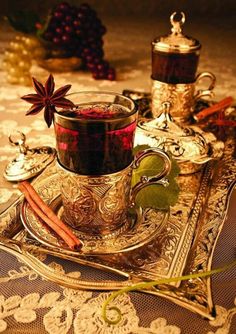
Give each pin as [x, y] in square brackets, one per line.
[28, 162]
[176, 42]
[177, 21]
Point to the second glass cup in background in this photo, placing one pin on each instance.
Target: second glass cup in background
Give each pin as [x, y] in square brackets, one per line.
[175, 59]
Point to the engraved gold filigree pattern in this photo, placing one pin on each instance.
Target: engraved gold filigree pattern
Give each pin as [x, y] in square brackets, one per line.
[154, 246]
[197, 293]
[203, 203]
[181, 97]
[141, 227]
[95, 205]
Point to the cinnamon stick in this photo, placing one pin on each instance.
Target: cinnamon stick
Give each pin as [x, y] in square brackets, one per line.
[224, 122]
[49, 212]
[48, 216]
[221, 105]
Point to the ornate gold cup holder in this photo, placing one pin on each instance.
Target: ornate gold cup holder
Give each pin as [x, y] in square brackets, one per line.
[142, 226]
[184, 244]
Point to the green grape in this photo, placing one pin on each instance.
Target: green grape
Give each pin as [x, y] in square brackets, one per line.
[26, 53]
[5, 64]
[12, 79]
[11, 56]
[24, 65]
[16, 46]
[30, 43]
[14, 71]
[18, 59]
[25, 80]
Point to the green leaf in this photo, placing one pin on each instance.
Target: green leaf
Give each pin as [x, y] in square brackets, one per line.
[24, 21]
[138, 148]
[156, 284]
[45, 23]
[155, 196]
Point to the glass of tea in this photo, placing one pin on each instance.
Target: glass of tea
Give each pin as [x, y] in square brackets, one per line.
[95, 160]
[96, 137]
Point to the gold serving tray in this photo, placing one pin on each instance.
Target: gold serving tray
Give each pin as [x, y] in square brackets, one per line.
[184, 244]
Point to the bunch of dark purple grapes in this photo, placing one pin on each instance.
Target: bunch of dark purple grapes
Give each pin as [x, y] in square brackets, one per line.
[79, 32]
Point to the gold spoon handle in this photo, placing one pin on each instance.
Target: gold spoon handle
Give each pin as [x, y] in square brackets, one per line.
[20, 251]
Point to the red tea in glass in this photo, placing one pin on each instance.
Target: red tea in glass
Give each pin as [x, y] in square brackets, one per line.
[96, 138]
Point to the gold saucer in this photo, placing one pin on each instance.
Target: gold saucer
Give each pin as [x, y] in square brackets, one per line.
[142, 226]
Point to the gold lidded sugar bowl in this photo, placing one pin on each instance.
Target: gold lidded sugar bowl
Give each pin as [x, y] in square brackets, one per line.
[189, 145]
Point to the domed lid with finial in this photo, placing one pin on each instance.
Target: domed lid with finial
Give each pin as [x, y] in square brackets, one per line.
[176, 42]
[28, 162]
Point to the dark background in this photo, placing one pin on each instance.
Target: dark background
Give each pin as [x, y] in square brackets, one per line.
[147, 8]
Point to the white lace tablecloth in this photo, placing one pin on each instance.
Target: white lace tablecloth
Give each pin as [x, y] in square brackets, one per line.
[29, 304]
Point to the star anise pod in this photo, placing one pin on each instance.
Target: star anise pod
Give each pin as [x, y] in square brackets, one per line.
[48, 99]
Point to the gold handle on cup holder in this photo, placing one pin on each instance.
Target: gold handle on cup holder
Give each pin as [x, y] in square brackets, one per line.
[208, 91]
[155, 179]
